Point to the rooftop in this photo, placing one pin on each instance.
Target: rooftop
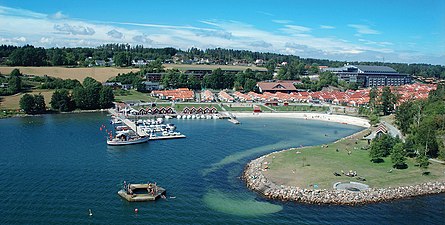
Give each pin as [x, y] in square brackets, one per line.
[375, 69]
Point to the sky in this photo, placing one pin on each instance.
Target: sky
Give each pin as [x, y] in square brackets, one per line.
[409, 31]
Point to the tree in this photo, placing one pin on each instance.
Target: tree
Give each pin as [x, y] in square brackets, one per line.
[120, 59]
[249, 85]
[405, 116]
[422, 161]
[27, 103]
[15, 81]
[79, 96]
[373, 119]
[398, 156]
[193, 82]
[388, 101]
[106, 97]
[39, 103]
[381, 147]
[61, 101]
[373, 95]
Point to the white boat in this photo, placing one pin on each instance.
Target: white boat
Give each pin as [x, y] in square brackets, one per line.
[179, 116]
[116, 121]
[167, 117]
[203, 116]
[122, 139]
[209, 117]
[119, 128]
[170, 126]
[193, 117]
[189, 116]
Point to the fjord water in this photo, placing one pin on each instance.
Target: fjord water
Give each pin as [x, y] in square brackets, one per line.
[54, 168]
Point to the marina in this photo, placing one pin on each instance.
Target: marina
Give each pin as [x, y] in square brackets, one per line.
[142, 130]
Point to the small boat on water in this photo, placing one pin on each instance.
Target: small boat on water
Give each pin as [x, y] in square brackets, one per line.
[141, 192]
[233, 120]
[116, 121]
[126, 139]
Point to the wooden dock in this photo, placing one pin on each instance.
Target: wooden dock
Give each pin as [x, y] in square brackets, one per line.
[128, 123]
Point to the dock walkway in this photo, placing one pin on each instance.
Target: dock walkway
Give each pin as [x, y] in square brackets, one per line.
[128, 122]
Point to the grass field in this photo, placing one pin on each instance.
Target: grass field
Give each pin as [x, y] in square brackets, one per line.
[321, 162]
[12, 102]
[300, 108]
[133, 95]
[212, 67]
[237, 108]
[101, 74]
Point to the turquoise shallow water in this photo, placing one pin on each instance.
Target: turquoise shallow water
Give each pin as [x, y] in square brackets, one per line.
[56, 167]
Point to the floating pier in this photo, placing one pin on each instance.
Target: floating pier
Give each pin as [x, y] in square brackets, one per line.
[142, 192]
[162, 137]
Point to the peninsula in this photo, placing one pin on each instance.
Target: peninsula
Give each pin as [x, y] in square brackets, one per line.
[311, 174]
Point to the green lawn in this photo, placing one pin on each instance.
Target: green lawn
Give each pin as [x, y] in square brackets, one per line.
[234, 108]
[133, 95]
[299, 108]
[320, 164]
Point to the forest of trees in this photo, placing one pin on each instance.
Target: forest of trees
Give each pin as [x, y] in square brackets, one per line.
[88, 95]
[14, 81]
[123, 54]
[423, 124]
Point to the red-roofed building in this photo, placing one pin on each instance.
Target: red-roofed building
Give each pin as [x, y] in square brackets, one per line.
[274, 87]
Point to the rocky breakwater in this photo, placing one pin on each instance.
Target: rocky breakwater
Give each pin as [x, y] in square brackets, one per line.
[256, 181]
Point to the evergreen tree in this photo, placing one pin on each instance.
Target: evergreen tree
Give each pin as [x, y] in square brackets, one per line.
[398, 156]
[388, 100]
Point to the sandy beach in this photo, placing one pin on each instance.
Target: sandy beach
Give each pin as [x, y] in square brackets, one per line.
[356, 121]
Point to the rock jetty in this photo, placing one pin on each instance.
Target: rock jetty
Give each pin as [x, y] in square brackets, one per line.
[256, 181]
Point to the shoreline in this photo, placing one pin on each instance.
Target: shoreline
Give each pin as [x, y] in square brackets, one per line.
[256, 181]
[344, 119]
[52, 113]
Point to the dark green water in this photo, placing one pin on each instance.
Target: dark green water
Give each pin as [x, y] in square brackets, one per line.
[56, 167]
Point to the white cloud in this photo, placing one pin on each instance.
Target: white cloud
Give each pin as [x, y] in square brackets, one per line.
[18, 27]
[143, 39]
[115, 34]
[21, 39]
[282, 21]
[363, 29]
[58, 15]
[74, 30]
[265, 13]
[378, 43]
[326, 27]
[294, 29]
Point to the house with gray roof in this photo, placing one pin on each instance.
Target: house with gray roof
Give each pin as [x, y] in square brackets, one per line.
[370, 76]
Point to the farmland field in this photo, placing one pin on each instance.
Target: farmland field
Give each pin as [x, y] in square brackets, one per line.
[101, 74]
[12, 102]
[212, 67]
